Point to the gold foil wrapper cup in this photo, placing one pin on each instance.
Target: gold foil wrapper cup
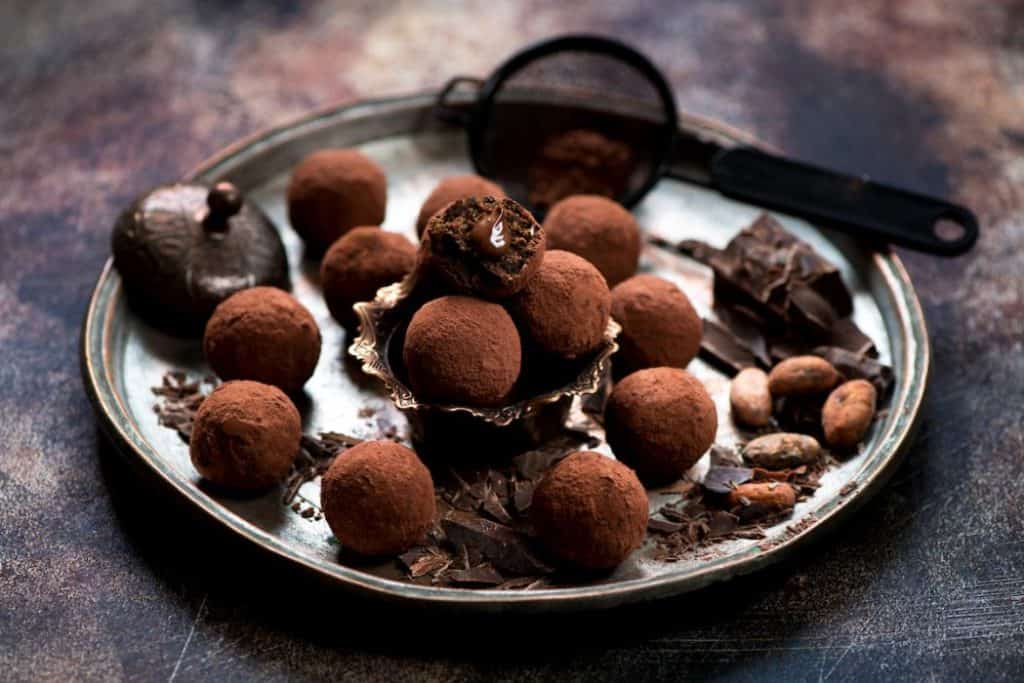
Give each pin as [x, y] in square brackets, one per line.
[529, 419]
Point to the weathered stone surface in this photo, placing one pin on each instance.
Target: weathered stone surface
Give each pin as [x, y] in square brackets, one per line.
[104, 99]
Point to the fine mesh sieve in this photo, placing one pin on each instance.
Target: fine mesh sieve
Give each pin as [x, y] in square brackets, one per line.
[584, 114]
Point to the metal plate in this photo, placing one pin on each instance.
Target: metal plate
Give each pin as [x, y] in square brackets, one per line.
[122, 359]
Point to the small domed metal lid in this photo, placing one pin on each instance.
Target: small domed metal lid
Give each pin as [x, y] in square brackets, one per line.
[183, 248]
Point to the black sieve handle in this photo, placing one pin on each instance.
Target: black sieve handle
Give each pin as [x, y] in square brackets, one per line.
[856, 205]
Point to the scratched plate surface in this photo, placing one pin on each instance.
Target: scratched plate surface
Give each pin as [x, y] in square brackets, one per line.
[123, 358]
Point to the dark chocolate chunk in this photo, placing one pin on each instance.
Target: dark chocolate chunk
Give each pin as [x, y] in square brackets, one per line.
[723, 349]
[801, 414]
[495, 508]
[856, 366]
[846, 335]
[725, 479]
[499, 544]
[722, 523]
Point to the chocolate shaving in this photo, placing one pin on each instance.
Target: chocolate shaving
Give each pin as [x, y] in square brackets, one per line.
[663, 526]
[483, 575]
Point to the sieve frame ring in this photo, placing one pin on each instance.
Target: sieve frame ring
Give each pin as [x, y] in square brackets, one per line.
[480, 114]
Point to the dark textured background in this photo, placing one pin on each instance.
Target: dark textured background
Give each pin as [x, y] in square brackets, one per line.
[102, 99]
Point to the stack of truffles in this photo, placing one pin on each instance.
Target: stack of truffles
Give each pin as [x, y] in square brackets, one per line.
[506, 298]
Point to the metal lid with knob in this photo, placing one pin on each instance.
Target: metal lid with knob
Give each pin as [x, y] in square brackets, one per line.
[183, 248]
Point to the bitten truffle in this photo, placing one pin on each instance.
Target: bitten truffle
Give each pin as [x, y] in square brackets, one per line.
[659, 325]
[263, 334]
[378, 498]
[590, 510]
[333, 191]
[598, 229]
[452, 188]
[357, 265]
[460, 350]
[660, 421]
[484, 246]
[245, 436]
[565, 306]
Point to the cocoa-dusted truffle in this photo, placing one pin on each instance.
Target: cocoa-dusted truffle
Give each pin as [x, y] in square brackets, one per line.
[357, 265]
[590, 510]
[452, 188]
[598, 229]
[565, 305]
[460, 350]
[484, 246]
[263, 334]
[245, 435]
[660, 421]
[333, 191]
[378, 498]
[659, 325]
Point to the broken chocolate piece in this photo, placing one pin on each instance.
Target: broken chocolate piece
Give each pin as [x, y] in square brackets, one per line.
[856, 366]
[846, 335]
[497, 543]
[725, 479]
[722, 523]
[723, 349]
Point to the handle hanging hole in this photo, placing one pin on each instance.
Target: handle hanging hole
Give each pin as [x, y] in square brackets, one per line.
[948, 230]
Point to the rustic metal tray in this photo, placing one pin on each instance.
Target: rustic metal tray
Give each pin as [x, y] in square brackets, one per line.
[122, 358]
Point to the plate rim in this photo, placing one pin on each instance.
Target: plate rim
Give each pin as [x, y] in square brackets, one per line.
[118, 426]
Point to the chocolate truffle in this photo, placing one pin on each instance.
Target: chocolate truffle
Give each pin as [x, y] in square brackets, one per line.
[660, 421]
[460, 350]
[659, 325]
[378, 498]
[357, 265]
[564, 307]
[245, 435]
[333, 191]
[263, 334]
[484, 246]
[590, 510]
[452, 188]
[598, 229]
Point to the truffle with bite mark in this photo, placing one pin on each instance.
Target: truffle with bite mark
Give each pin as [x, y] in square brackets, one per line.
[590, 510]
[451, 189]
[660, 421]
[565, 306]
[245, 436]
[659, 325]
[263, 334]
[333, 191]
[483, 246]
[460, 350]
[358, 264]
[598, 229]
[378, 498]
